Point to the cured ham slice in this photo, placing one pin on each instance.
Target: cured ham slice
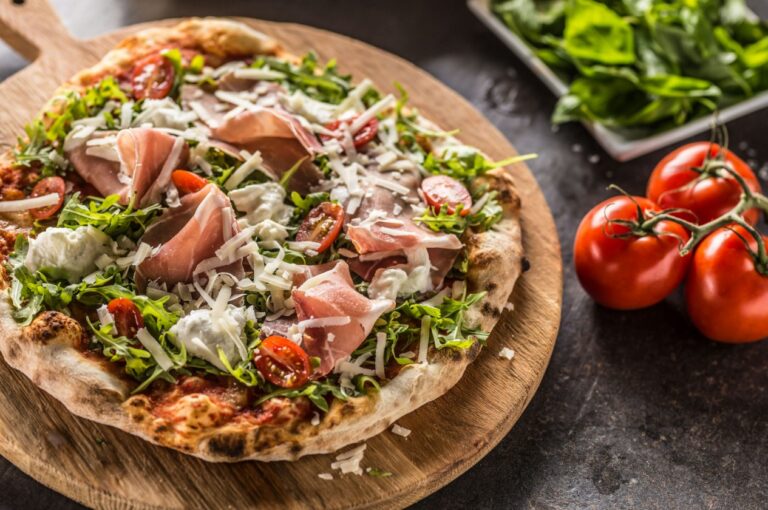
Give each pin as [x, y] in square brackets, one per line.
[338, 318]
[145, 160]
[378, 230]
[187, 235]
[277, 135]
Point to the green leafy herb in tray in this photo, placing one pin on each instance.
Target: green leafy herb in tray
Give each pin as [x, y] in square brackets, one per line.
[647, 64]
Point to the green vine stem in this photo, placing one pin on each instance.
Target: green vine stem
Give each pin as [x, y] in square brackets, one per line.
[749, 200]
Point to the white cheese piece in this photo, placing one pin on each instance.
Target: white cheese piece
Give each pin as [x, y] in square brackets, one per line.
[349, 461]
[312, 109]
[203, 331]
[371, 113]
[400, 431]
[258, 74]
[263, 201]
[251, 164]
[381, 343]
[26, 204]
[509, 307]
[67, 253]
[354, 97]
[424, 338]
[506, 352]
[155, 349]
[325, 476]
[270, 230]
[387, 284]
[105, 317]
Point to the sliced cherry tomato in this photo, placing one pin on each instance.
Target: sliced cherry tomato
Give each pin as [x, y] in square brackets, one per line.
[282, 362]
[675, 184]
[187, 182]
[364, 135]
[442, 190]
[725, 295]
[47, 186]
[152, 77]
[623, 271]
[128, 319]
[322, 225]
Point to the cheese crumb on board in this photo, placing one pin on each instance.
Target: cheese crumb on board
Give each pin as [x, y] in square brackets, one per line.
[506, 352]
[400, 431]
[325, 476]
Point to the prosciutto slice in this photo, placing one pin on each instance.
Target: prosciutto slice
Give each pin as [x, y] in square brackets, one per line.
[187, 235]
[331, 294]
[377, 230]
[279, 136]
[146, 159]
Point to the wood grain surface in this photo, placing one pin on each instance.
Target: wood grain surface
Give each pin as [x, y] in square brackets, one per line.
[105, 468]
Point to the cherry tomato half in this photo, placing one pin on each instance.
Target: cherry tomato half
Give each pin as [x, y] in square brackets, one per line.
[152, 77]
[47, 186]
[364, 135]
[128, 319]
[442, 190]
[282, 362]
[624, 271]
[322, 225]
[673, 183]
[187, 182]
[725, 296]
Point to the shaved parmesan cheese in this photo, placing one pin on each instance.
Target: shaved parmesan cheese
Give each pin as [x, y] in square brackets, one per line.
[126, 114]
[400, 431]
[258, 74]
[424, 338]
[506, 352]
[372, 112]
[386, 159]
[325, 476]
[324, 322]
[386, 285]
[250, 165]
[26, 204]
[355, 96]
[105, 317]
[349, 369]
[381, 343]
[154, 348]
[349, 461]
[390, 185]
[509, 307]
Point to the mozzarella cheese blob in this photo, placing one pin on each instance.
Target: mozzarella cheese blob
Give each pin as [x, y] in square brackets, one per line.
[261, 202]
[66, 253]
[203, 332]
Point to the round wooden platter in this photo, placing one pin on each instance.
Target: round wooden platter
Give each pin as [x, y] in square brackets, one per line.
[106, 468]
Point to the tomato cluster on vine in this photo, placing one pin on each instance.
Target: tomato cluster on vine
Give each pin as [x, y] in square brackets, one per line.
[695, 227]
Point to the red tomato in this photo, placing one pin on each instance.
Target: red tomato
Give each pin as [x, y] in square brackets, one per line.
[624, 271]
[364, 135]
[322, 225]
[187, 182]
[282, 362]
[152, 77]
[128, 319]
[442, 190]
[47, 186]
[726, 297]
[673, 183]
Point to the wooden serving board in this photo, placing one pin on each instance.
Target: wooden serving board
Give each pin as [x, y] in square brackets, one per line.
[106, 468]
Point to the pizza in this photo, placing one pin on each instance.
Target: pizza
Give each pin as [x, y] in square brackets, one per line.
[239, 253]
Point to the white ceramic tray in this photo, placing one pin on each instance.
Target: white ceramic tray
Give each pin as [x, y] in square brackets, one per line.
[614, 143]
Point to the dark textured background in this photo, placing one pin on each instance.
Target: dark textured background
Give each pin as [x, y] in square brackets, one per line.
[636, 409]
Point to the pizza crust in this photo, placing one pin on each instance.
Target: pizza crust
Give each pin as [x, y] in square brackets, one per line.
[49, 351]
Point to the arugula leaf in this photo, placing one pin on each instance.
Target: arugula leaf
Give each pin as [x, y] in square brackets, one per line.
[107, 215]
[320, 83]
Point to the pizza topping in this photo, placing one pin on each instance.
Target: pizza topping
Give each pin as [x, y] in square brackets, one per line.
[44, 187]
[126, 316]
[152, 77]
[155, 349]
[339, 128]
[65, 253]
[322, 225]
[187, 182]
[213, 335]
[443, 191]
[261, 202]
[282, 362]
[27, 204]
[189, 234]
[332, 294]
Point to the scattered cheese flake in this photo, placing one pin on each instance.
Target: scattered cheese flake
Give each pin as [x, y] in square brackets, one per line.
[154, 348]
[506, 352]
[29, 203]
[325, 476]
[424, 339]
[381, 343]
[400, 431]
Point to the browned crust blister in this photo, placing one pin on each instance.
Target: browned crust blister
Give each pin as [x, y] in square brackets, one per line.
[50, 350]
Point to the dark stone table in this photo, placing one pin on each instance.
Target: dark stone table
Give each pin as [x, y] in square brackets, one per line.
[636, 409]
